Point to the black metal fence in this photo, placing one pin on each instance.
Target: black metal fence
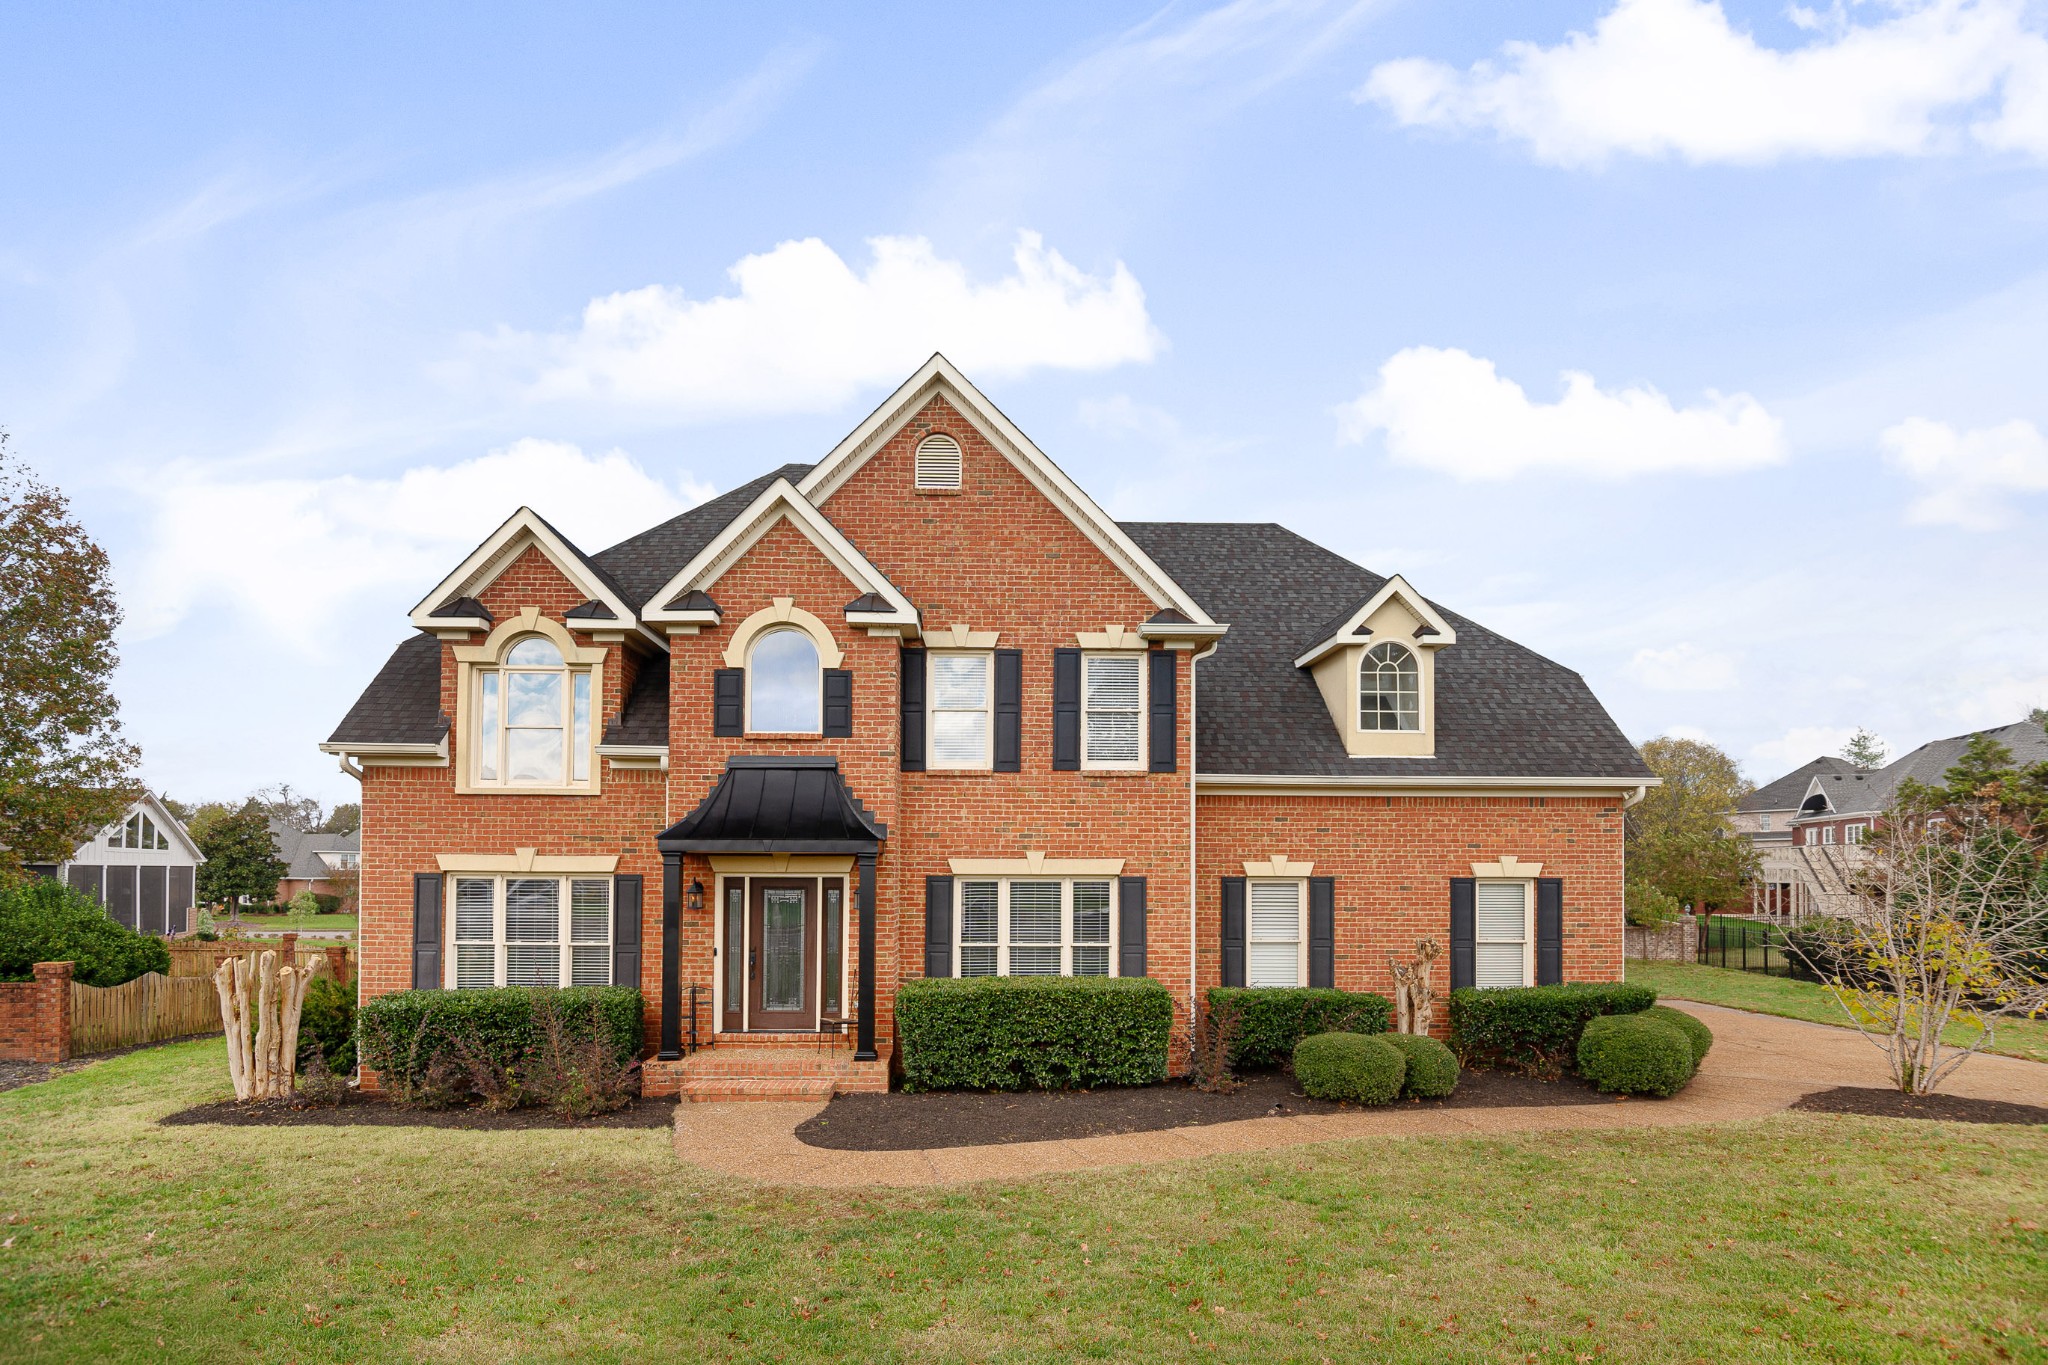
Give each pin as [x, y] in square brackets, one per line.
[1743, 945]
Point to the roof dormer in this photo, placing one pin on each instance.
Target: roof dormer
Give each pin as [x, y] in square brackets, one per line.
[1376, 670]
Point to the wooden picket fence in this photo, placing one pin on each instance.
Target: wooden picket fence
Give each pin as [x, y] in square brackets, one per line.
[148, 1009]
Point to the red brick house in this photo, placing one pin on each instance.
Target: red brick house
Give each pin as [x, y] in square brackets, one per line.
[922, 708]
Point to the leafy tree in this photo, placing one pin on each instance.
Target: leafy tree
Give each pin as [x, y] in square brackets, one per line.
[287, 807]
[65, 769]
[1645, 905]
[241, 858]
[1865, 750]
[2039, 715]
[345, 818]
[203, 817]
[46, 921]
[1985, 782]
[1680, 838]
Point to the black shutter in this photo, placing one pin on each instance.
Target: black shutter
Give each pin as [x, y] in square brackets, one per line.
[1066, 710]
[1233, 931]
[1464, 931]
[838, 704]
[938, 925]
[1161, 711]
[1549, 931]
[729, 701]
[1009, 710]
[626, 931]
[1322, 931]
[912, 737]
[426, 931]
[1130, 927]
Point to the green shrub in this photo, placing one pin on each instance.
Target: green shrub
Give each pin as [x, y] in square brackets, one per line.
[327, 1024]
[1535, 1027]
[1355, 1068]
[1696, 1033]
[1644, 904]
[1272, 1019]
[1631, 1054]
[305, 903]
[46, 921]
[433, 1043]
[1432, 1067]
[1821, 948]
[325, 904]
[1032, 1032]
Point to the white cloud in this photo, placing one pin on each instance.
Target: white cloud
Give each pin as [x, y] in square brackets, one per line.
[1450, 411]
[806, 332]
[302, 548]
[1969, 474]
[1674, 78]
[1684, 667]
[1773, 758]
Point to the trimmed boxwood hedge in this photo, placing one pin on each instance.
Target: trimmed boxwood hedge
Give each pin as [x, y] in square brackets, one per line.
[1633, 1054]
[1354, 1068]
[1032, 1032]
[1272, 1019]
[1536, 1027]
[402, 1035]
[1432, 1067]
[1696, 1032]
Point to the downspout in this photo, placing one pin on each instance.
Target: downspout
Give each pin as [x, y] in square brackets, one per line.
[1640, 793]
[1193, 840]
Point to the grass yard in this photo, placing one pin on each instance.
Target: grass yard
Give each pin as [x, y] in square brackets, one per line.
[1798, 1238]
[1803, 1000]
[292, 920]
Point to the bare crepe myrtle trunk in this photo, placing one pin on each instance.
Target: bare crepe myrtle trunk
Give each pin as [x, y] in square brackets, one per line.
[1414, 994]
[259, 1008]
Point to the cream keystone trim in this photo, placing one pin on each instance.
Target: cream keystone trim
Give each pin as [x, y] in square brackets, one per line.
[1036, 864]
[961, 637]
[523, 528]
[1111, 636]
[785, 612]
[770, 864]
[1395, 587]
[528, 860]
[1279, 866]
[529, 621]
[634, 755]
[1509, 868]
[939, 376]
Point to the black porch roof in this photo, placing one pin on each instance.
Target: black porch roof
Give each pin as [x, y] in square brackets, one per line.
[776, 805]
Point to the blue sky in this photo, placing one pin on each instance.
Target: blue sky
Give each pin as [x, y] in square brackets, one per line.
[1699, 347]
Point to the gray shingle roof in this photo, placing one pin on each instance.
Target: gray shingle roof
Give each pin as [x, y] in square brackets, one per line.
[644, 717]
[301, 849]
[643, 563]
[1787, 792]
[402, 704]
[1501, 710]
[1930, 763]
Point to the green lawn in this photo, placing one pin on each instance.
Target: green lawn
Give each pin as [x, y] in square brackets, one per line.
[1797, 1238]
[1803, 1000]
[291, 919]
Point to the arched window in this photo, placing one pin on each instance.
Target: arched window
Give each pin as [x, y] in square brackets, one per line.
[1389, 690]
[783, 684]
[533, 718]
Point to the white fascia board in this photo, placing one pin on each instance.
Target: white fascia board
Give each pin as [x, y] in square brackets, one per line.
[1813, 785]
[1396, 586]
[939, 375]
[779, 500]
[163, 819]
[1274, 784]
[496, 554]
[1186, 630]
[435, 751]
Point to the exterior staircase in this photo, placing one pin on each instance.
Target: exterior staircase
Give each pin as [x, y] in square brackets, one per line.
[767, 1066]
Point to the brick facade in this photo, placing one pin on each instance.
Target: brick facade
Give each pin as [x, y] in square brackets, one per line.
[35, 1016]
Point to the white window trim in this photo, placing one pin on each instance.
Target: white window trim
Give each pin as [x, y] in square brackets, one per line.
[565, 943]
[1139, 764]
[733, 873]
[1763, 823]
[1528, 886]
[1855, 833]
[987, 761]
[747, 724]
[1002, 943]
[1827, 834]
[1300, 885]
[1365, 664]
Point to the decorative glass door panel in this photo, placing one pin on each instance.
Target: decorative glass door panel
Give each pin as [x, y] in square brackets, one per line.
[782, 965]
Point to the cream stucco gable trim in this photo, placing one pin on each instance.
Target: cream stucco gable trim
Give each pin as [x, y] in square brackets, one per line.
[529, 861]
[1111, 636]
[1279, 865]
[528, 621]
[1395, 589]
[961, 637]
[1509, 868]
[785, 612]
[1036, 864]
[938, 376]
[523, 529]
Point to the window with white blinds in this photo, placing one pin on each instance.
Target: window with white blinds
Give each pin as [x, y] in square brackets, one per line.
[959, 694]
[938, 462]
[1035, 927]
[1501, 952]
[1273, 933]
[1112, 703]
[531, 931]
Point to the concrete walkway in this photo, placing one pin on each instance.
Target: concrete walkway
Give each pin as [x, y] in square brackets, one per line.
[1759, 1065]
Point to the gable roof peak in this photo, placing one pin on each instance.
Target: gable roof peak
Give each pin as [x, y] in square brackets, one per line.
[524, 529]
[1430, 628]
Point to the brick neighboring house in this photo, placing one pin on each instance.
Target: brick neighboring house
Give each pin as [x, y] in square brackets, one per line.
[312, 858]
[922, 708]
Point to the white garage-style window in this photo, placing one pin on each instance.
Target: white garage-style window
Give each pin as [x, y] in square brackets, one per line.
[531, 931]
[1504, 952]
[533, 719]
[1389, 690]
[784, 685]
[1113, 730]
[1035, 927]
[960, 688]
[1276, 938]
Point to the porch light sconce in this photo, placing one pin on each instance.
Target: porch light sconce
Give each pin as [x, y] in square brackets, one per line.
[696, 895]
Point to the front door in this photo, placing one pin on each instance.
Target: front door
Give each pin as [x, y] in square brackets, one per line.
[780, 970]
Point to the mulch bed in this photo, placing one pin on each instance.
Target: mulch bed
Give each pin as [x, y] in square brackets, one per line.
[1892, 1104]
[898, 1122]
[377, 1112]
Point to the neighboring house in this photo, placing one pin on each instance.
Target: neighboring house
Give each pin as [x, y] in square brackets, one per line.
[923, 709]
[312, 857]
[140, 868]
[1808, 849]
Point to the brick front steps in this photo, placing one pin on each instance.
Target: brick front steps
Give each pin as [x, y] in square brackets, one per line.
[776, 1066]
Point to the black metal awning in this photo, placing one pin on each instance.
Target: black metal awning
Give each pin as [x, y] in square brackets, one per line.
[776, 805]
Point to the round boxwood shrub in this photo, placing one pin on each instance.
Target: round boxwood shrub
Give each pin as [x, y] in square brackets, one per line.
[1357, 1068]
[1629, 1054]
[1698, 1034]
[1432, 1067]
[47, 921]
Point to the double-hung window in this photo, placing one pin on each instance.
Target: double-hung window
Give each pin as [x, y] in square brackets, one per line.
[531, 931]
[1854, 834]
[533, 719]
[1035, 927]
[1112, 704]
[960, 688]
[1275, 944]
[1503, 952]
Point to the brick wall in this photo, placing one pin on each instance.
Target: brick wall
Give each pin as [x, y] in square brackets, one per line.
[35, 1016]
